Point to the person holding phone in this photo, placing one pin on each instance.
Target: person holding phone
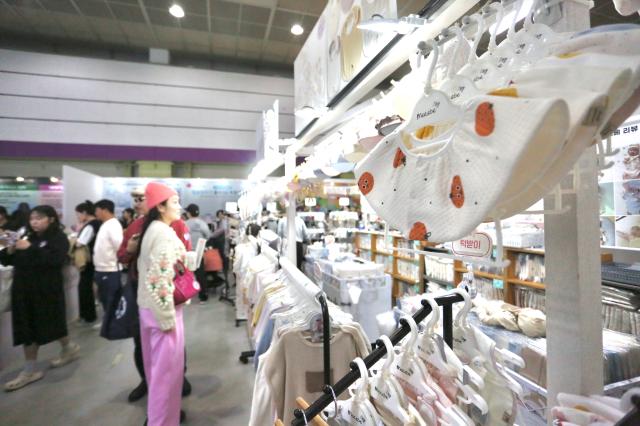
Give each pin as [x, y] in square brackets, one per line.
[37, 294]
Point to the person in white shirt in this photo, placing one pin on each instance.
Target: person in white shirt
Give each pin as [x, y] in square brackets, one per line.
[105, 253]
[302, 236]
[198, 229]
[90, 226]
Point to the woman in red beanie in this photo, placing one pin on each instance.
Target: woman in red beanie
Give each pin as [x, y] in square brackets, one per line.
[161, 326]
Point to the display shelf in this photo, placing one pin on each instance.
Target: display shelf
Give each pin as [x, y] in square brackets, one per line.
[407, 258]
[380, 256]
[481, 274]
[532, 284]
[406, 279]
[444, 283]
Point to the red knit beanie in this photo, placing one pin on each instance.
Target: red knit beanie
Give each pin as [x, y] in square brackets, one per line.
[156, 192]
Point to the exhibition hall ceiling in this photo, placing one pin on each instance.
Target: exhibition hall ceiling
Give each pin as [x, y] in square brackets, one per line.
[253, 30]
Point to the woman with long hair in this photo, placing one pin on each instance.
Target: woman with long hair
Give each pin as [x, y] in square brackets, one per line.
[161, 325]
[85, 212]
[37, 294]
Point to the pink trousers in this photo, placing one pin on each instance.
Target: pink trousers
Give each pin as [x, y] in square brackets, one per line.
[163, 354]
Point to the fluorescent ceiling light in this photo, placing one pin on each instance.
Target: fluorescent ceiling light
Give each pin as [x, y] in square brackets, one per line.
[297, 29]
[54, 179]
[20, 179]
[176, 10]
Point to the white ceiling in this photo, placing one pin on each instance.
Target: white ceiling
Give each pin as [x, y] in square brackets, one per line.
[254, 30]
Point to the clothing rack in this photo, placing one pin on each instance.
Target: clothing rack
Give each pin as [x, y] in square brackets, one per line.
[305, 286]
[632, 417]
[343, 384]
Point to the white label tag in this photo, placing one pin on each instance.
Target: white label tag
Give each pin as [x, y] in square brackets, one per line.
[354, 294]
[477, 244]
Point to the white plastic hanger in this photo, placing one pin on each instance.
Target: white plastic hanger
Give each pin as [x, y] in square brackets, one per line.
[387, 393]
[434, 108]
[459, 87]
[358, 409]
[409, 368]
[433, 350]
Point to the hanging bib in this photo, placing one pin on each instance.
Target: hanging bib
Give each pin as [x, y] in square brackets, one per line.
[445, 194]
[589, 110]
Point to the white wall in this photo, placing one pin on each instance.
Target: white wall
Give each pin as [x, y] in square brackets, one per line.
[79, 186]
[63, 99]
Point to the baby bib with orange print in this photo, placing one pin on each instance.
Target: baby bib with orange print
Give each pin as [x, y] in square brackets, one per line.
[444, 194]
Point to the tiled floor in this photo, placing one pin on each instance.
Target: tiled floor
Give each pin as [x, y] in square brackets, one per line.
[93, 390]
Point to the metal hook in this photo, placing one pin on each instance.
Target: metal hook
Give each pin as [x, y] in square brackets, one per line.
[327, 389]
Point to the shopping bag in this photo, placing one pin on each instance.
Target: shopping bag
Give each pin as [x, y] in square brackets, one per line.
[121, 320]
[6, 280]
[81, 257]
[212, 260]
[185, 285]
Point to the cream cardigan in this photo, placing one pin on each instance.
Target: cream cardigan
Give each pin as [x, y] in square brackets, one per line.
[161, 249]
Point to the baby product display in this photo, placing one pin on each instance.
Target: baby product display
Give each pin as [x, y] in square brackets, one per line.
[422, 381]
[360, 288]
[285, 325]
[519, 117]
[597, 409]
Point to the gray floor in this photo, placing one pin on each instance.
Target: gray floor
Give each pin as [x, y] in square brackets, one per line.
[93, 390]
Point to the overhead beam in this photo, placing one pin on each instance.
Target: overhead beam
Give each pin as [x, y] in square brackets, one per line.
[143, 9]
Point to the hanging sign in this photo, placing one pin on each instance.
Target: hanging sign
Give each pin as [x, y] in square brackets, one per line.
[478, 244]
[343, 201]
[310, 202]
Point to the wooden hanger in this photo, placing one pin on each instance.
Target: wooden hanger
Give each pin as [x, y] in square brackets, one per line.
[317, 420]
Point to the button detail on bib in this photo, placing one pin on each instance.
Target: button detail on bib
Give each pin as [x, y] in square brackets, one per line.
[365, 183]
[485, 119]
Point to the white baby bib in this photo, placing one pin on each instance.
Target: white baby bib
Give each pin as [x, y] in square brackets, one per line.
[443, 195]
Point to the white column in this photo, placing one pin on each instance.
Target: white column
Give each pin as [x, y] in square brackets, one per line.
[572, 263]
[289, 167]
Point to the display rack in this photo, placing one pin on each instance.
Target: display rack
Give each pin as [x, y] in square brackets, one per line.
[343, 384]
[308, 288]
[394, 261]
[507, 278]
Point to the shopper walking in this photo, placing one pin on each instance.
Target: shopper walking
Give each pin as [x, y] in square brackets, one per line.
[220, 238]
[127, 217]
[302, 236]
[198, 229]
[105, 253]
[19, 220]
[90, 226]
[127, 255]
[37, 294]
[161, 324]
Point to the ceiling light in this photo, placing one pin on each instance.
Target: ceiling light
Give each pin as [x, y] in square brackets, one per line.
[297, 29]
[54, 179]
[19, 179]
[176, 10]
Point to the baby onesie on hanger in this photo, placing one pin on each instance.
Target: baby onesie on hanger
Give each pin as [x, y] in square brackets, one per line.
[294, 367]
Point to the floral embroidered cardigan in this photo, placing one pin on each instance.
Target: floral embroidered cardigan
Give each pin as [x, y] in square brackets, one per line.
[160, 250]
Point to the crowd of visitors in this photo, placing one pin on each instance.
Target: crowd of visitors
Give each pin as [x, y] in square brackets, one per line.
[110, 253]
